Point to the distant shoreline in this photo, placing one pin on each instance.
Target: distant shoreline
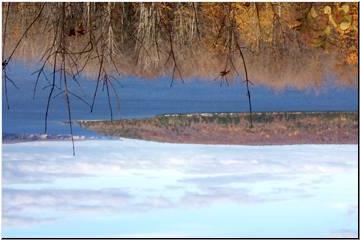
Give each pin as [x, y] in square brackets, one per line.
[270, 128]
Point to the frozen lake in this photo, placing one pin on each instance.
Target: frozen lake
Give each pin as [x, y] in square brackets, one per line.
[138, 188]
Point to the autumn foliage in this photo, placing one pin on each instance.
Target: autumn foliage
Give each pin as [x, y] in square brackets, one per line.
[284, 44]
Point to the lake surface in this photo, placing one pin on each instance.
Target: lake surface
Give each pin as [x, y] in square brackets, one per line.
[147, 98]
[135, 188]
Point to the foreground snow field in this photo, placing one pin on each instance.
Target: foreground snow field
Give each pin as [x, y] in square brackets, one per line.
[139, 188]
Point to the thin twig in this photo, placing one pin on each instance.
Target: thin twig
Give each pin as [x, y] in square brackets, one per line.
[50, 93]
[23, 35]
[247, 82]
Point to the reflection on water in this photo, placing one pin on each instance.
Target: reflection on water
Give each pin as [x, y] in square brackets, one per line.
[144, 98]
[138, 188]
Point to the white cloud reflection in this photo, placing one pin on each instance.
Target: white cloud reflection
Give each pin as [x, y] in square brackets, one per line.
[43, 183]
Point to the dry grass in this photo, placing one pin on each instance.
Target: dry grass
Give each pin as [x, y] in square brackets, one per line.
[269, 128]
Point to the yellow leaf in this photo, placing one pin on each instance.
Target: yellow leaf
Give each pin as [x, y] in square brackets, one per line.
[327, 10]
[345, 8]
[327, 30]
[344, 26]
[313, 12]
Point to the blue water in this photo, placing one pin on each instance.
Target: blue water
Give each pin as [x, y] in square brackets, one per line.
[146, 98]
[118, 189]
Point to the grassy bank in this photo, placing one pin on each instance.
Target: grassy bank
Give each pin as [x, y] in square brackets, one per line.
[233, 128]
